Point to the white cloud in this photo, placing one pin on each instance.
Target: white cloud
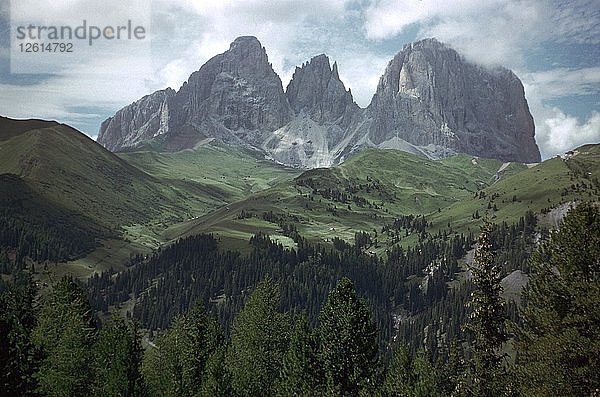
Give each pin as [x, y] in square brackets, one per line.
[556, 131]
[576, 21]
[488, 31]
[386, 18]
[559, 132]
[562, 82]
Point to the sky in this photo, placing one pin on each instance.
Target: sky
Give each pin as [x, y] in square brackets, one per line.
[553, 46]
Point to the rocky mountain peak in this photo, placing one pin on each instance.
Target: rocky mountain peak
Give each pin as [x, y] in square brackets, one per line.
[317, 90]
[430, 101]
[429, 94]
[142, 121]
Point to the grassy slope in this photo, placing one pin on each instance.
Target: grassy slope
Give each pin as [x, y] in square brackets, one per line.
[404, 188]
[442, 190]
[219, 174]
[546, 185]
[157, 197]
[72, 172]
[69, 168]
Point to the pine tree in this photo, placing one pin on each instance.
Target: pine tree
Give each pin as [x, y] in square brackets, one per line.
[558, 344]
[348, 342]
[259, 341]
[399, 378]
[65, 332]
[177, 364]
[414, 377]
[302, 372]
[486, 322]
[118, 354]
[427, 380]
[18, 355]
[216, 380]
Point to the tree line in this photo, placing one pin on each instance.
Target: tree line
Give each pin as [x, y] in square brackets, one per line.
[51, 345]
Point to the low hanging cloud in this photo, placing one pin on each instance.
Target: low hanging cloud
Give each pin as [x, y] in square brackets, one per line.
[556, 131]
[489, 32]
[559, 132]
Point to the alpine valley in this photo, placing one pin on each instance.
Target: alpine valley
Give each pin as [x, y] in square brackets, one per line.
[200, 194]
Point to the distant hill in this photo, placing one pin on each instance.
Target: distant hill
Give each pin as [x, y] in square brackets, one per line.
[73, 181]
[374, 187]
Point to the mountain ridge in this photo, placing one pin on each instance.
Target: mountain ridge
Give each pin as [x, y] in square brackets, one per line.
[429, 101]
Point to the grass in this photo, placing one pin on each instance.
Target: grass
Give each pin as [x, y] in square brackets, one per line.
[393, 182]
[445, 191]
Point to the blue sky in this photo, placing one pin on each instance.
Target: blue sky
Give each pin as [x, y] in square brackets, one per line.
[553, 46]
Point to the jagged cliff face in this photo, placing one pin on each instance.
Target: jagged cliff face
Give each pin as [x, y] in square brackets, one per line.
[142, 121]
[429, 101]
[233, 94]
[236, 97]
[430, 95]
[316, 89]
[323, 111]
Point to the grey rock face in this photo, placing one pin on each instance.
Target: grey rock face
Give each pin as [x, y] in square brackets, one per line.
[317, 90]
[233, 94]
[430, 95]
[323, 109]
[430, 101]
[236, 97]
[138, 123]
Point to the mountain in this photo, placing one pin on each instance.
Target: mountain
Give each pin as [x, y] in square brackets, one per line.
[138, 123]
[430, 101]
[75, 177]
[323, 109]
[236, 97]
[429, 95]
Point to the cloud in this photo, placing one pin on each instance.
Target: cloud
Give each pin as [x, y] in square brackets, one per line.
[291, 31]
[559, 132]
[488, 31]
[576, 21]
[562, 82]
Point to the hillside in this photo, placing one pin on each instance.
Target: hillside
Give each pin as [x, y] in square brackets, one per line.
[40, 229]
[371, 189]
[221, 174]
[128, 199]
[364, 193]
[543, 188]
[69, 168]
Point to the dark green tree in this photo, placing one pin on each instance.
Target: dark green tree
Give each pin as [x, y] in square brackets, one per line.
[18, 355]
[412, 377]
[118, 354]
[558, 344]
[453, 370]
[399, 378]
[486, 322]
[348, 342]
[302, 372]
[176, 365]
[65, 332]
[216, 380]
[428, 382]
[259, 340]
